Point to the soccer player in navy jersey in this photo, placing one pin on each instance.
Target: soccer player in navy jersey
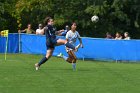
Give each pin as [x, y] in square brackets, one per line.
[52, 41]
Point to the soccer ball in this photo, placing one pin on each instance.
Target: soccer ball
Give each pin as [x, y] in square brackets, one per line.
[95, 18]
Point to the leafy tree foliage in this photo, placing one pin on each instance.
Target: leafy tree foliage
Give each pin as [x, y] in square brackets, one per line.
[115, 15]
[7, 21]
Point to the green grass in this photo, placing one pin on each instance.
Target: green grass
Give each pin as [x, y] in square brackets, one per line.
[17, 75]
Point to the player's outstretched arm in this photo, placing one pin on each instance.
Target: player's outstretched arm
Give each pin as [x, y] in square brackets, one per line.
[59, 32]
[81, 44]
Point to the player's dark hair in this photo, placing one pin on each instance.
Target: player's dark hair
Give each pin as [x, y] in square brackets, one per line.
[73, 23]
[46, 20]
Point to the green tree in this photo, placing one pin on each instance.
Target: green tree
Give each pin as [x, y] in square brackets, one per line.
[117, 16]
[7, 20]
[114, 15]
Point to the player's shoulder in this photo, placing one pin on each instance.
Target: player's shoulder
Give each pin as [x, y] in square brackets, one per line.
[69, 32]
[76, 32]
[45, 28]
[37, 29]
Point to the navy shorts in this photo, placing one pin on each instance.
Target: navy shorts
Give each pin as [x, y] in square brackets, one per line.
[50, 43]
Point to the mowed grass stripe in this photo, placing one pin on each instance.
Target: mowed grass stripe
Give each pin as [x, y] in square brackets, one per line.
[17, 74]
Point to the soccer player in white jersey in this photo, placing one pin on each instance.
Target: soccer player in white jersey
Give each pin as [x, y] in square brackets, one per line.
[71, 36]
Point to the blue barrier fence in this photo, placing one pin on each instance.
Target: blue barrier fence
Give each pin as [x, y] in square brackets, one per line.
[13, 43]
[99, 49]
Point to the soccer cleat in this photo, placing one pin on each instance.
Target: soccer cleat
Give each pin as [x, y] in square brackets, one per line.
[60, 55]
[36, 66]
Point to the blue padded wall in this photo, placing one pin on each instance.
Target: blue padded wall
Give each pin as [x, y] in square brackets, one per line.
[99, 49]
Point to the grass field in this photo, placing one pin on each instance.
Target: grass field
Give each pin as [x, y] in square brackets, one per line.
[17, 75]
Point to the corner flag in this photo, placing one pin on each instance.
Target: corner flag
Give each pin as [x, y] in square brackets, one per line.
[4, 33]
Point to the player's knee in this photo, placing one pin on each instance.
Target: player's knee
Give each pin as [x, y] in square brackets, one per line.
[65, 41]
[48, 56]
[74, 60]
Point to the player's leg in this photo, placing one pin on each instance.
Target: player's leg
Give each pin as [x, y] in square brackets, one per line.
[44, 59]
[68, 59]
[73, 56]
[64, 42]
[72, 59]
[48, 55]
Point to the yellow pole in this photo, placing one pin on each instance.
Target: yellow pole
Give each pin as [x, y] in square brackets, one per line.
[6, 35]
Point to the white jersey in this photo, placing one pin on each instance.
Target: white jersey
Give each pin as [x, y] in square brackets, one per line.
[39, 31]
[127, 38]
[72, 37]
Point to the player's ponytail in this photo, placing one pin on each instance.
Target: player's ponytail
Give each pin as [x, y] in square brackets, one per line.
[47, 19]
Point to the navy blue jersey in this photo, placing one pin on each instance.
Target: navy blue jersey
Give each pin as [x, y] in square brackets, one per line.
[50, 36]
[50, 31]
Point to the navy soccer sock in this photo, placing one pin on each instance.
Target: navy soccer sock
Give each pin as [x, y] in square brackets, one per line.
[43, 60]
[70, 46]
